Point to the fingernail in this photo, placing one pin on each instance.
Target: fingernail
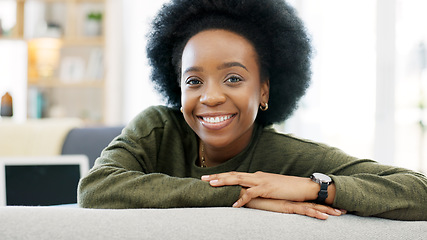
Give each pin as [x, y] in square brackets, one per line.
[325, 215]
[338, 211]
[214, 181]
[205, 177]
[235, 204]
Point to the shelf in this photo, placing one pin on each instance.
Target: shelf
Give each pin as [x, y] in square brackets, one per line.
[84, 41]
[11, 38]
[75, 64]
[55, 83]
[73, 1]
[79, 41]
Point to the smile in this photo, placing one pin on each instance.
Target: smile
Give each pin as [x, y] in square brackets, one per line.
[216, 122]
[217, 119]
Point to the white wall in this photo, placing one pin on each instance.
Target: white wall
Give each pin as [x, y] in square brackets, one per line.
[137, 88]
[13, 75]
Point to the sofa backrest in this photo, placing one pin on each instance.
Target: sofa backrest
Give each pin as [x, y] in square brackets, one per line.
[34, 137]
[89, 141]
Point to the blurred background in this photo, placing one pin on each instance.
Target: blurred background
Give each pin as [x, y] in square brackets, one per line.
[85, 59]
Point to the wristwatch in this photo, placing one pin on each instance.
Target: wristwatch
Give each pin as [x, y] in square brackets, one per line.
[324, 181]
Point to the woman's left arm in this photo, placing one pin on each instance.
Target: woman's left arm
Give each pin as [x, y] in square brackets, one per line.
[363, 187]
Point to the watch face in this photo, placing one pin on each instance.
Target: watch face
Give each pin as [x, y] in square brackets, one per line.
[321, 178]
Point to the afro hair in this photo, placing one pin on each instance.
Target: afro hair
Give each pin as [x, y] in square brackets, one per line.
[272, 26]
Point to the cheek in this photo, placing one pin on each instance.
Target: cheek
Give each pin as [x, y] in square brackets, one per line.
[183, 98]
[187, 97]
[187, 104]
[253, 108]
[251, 102]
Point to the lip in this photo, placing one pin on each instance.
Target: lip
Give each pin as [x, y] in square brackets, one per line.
[228, 119]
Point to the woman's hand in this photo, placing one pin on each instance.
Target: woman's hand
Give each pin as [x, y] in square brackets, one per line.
[269, 185]
[303, 208]
[277, 193]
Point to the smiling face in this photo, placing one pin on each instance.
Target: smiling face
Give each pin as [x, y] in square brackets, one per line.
[221, 89]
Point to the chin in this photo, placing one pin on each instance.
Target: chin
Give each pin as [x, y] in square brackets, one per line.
[219, 141]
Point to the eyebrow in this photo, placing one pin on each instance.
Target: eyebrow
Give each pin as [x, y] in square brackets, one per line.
[193, 69]
[232, 64]
[222, 66]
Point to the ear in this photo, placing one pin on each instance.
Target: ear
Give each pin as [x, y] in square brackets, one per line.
[265, 91]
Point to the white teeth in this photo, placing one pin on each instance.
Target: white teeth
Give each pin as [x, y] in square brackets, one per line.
[216, 119]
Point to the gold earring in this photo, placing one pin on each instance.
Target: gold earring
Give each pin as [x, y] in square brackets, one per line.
[263, 108]
[181, 110]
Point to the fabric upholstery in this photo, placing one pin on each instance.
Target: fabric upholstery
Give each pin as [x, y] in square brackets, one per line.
[36, 137]
[194, 223]
[89, 141]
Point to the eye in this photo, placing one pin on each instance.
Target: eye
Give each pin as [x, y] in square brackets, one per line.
[234, 79]
[193, 81]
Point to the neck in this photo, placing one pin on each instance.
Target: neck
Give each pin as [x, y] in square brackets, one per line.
[214, 155]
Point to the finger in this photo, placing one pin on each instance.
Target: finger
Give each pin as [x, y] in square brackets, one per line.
[211, 177]
[242, 179]
[320, 211]
[289, 207]
[328, 210]
[226, 175]
[206, 178]
[317, 214]
[308, 210]
[249, 194]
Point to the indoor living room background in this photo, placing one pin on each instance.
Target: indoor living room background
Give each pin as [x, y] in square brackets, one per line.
[85, 60]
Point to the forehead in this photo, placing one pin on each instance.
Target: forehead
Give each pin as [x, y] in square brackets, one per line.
[218, 44]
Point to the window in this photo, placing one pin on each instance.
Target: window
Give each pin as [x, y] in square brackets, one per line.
[339, 107]
[411, 84]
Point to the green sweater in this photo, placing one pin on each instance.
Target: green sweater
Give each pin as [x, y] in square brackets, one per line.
[152, 164]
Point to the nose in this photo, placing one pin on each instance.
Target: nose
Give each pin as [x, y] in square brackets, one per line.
[212, 95]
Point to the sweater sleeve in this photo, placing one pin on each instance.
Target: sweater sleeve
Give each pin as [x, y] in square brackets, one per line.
[367, 188]
[127, 173]
[112, 186]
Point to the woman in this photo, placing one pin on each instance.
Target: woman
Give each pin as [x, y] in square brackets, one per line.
[228, 70]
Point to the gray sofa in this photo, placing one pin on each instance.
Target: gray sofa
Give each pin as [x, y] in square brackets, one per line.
[194, 223]
[89, 141]
[72, 222]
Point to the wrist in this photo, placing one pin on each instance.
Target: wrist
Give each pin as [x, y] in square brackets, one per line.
[312, 190]
[325, 188]
[331, 194]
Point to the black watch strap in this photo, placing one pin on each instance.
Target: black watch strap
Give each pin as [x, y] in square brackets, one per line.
[324, 181]
[323, 193]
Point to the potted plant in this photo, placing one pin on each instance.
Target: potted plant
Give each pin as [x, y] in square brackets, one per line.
[93, 25]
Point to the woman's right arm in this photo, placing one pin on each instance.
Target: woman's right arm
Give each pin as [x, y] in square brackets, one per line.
[124, 184]
[143, 168]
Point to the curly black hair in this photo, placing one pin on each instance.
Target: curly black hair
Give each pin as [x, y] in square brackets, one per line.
[272, 26]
